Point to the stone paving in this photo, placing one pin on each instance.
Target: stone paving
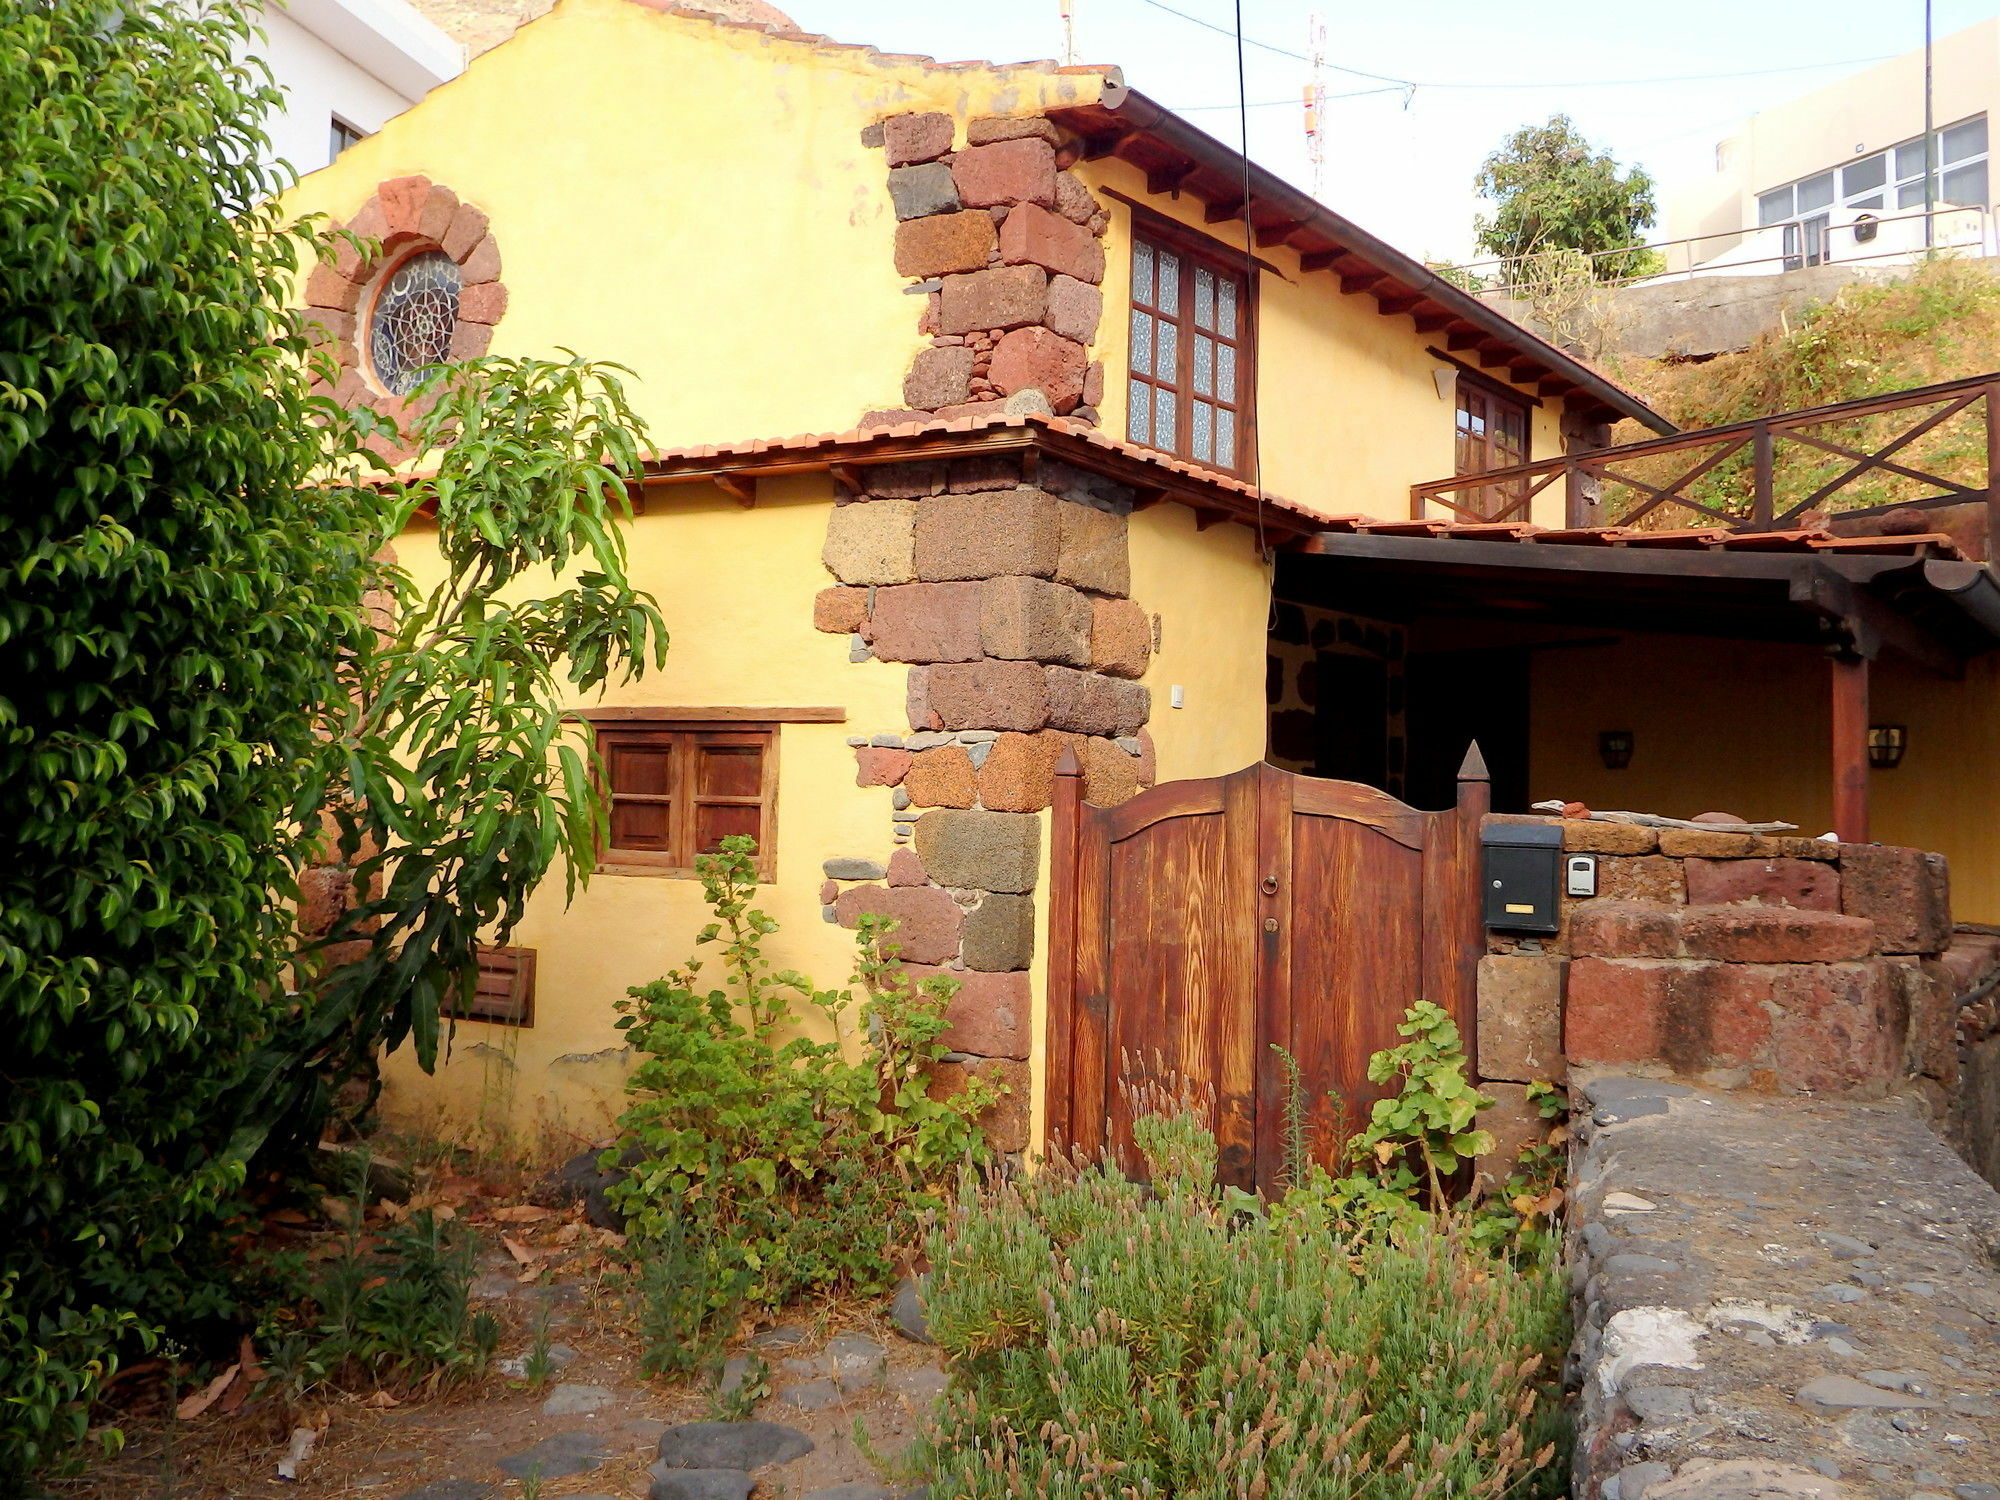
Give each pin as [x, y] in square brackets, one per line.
[1780, 1298]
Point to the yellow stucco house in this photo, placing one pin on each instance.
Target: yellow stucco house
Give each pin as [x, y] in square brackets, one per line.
[975, 389]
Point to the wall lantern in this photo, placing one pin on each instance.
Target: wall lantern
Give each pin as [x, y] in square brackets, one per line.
[1886, 743]
[1614, 748]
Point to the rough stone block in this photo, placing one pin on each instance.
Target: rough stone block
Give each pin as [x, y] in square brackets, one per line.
[840, 611]
[992, 1015]
[1020, 771]
[1005, 1123]
[402, 200]
[1018, 171]
[484, 303]
[851, 868]
[904, 481]
[906, 869]
[1808, 884]
[1839, 1028]
[1904, 892]
[941, 778]
[1032, 235]
[983, 471]
[1031, 619]
[1580, 836]
[987, 536]
[939, 377]
[1684, 842]
[1520, 1017]
[993, 128]
[1516, 1124]
[469, 341]
[915, 137]
[1074, 310]
[481, 263]
[1649, 878]
[989, 695]
[1039, 359]
[1090, 703]
[873, 543]
[921, 190]
[1930, 1001]
[925, 622]
[999, 935]
[880, 765]
[468, 228]
[1121, 637]
[326, 287]
[1971, 957]
[986, 851]
[1000, 297]
[1624, 929]
[917, 700]
[325, 892]
[928, 921]
[1775, 935]
[1110, 776]
[1617, 1008]
[944, 244]
[1092, 550]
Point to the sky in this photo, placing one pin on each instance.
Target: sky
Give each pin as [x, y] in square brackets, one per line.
[1400, 162]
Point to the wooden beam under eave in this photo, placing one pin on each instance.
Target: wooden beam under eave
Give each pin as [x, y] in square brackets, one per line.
[1462, 338]
[1491, 354]
[1097, 147]
[1360, 281]
[1550, 386]
[1319, 260]
[1205, 518]
[1276, 234]
[1222, 211]
[1431, 322]
[847, 477]
[743, 491]
[1395, 303]
[1169, 179]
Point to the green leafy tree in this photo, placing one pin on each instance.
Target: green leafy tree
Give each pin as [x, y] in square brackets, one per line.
[1552, 193]
[191, 666]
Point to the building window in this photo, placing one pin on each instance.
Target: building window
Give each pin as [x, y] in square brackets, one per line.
[505, 991]
[1492, 434]
[1889, 181]
[340, 135]
[678, 789]
[415, 314]
[1191, 362]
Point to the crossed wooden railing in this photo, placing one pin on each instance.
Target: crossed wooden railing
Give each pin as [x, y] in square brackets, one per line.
[1917, 449]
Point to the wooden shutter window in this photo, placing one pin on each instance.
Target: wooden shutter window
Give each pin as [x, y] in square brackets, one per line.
[1191, 356]
[505, 992]
[678, 789]
[1492, 433]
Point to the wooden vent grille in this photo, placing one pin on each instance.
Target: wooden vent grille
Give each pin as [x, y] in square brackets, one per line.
[505, 993]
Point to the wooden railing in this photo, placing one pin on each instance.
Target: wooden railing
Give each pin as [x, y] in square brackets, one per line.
[1917, 449]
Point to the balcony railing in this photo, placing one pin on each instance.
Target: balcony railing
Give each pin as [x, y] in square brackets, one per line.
[1918, 449]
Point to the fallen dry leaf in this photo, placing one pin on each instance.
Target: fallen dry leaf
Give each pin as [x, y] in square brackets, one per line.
[381, 1401]
[520, 1213]
[519, 1251]
[301, 1449]
[194, 1405]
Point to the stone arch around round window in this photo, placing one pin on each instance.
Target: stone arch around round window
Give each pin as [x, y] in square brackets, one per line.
[428, 239]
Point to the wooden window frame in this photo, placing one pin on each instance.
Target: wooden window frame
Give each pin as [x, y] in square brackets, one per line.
[1492, 500]
[518, 965]
[1196, 249]
[690, 726]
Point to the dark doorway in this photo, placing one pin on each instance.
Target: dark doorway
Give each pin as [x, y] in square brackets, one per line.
[1352, 718]
[1456, 697]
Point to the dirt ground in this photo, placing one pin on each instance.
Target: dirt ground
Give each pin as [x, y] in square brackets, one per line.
[556, 1268]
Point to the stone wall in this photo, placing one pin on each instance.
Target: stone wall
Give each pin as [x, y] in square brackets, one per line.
[1003, 583]
[1004, 243]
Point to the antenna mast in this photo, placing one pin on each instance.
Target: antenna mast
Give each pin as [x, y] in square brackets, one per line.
[1315, 99]
[1069, 32]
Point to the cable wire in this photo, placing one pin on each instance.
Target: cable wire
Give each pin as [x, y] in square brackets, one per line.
[1250, 282]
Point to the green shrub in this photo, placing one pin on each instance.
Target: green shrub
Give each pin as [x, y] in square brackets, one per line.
[761, 1163]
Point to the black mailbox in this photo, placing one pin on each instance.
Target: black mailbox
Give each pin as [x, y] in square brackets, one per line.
[1522, 876]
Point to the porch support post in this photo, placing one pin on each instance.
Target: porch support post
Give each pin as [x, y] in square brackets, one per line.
[1850, 747]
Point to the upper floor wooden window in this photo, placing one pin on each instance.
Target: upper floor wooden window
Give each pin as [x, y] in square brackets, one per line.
[1492, 434]
[678, 789]
[1192, 352]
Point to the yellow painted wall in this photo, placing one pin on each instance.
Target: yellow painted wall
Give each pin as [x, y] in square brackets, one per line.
[736, 588]
[1743, 727]
[692, 201]
[1348, 414]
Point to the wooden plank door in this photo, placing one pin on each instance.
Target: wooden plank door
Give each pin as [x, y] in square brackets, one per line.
[1205, 922]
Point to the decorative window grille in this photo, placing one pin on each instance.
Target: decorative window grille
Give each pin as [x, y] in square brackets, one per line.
[1191, 362]
[410, 330]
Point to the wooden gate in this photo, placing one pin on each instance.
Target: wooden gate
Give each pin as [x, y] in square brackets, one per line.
[1203, 922]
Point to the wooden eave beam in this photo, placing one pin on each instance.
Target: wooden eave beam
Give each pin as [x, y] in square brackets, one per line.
[1430, 319]
[1551, 386]
[1222, 210]
[1463, 337]
[1277, 234]
[1319, 260]
[1355, 282]
[742, 488]
[1168, 179]
[1105, 143]
[1397, 302]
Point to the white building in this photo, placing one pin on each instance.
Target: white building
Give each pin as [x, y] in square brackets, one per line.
[1838, 176]
[347, 66]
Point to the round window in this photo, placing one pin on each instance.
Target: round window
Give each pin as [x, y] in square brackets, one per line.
[415, 313]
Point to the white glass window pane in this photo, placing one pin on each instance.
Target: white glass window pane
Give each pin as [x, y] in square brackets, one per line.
[1225, 372]
[1774, 207]
[1864, 176]
[1875, 202]
[1910, 161]
[1962, 140]
[1139, 413]
[1225, 438]
[1225, 307]
[1204, 365]
[1142, 273]
[1204, 297]
[1966, 185]
[1142, 342]
[1165, 428]
[1204, 425]
[1910, 194]
[1816, 192]
[1169, 298]
[1166, 355]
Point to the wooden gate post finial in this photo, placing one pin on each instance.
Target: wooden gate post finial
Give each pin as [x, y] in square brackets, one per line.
[1473, 767]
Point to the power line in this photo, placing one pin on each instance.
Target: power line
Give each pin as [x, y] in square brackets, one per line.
[1568, 83]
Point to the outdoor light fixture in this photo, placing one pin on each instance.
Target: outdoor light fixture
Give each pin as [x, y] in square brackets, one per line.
[1886, 743]
[1445, 378]
[1614, 747]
